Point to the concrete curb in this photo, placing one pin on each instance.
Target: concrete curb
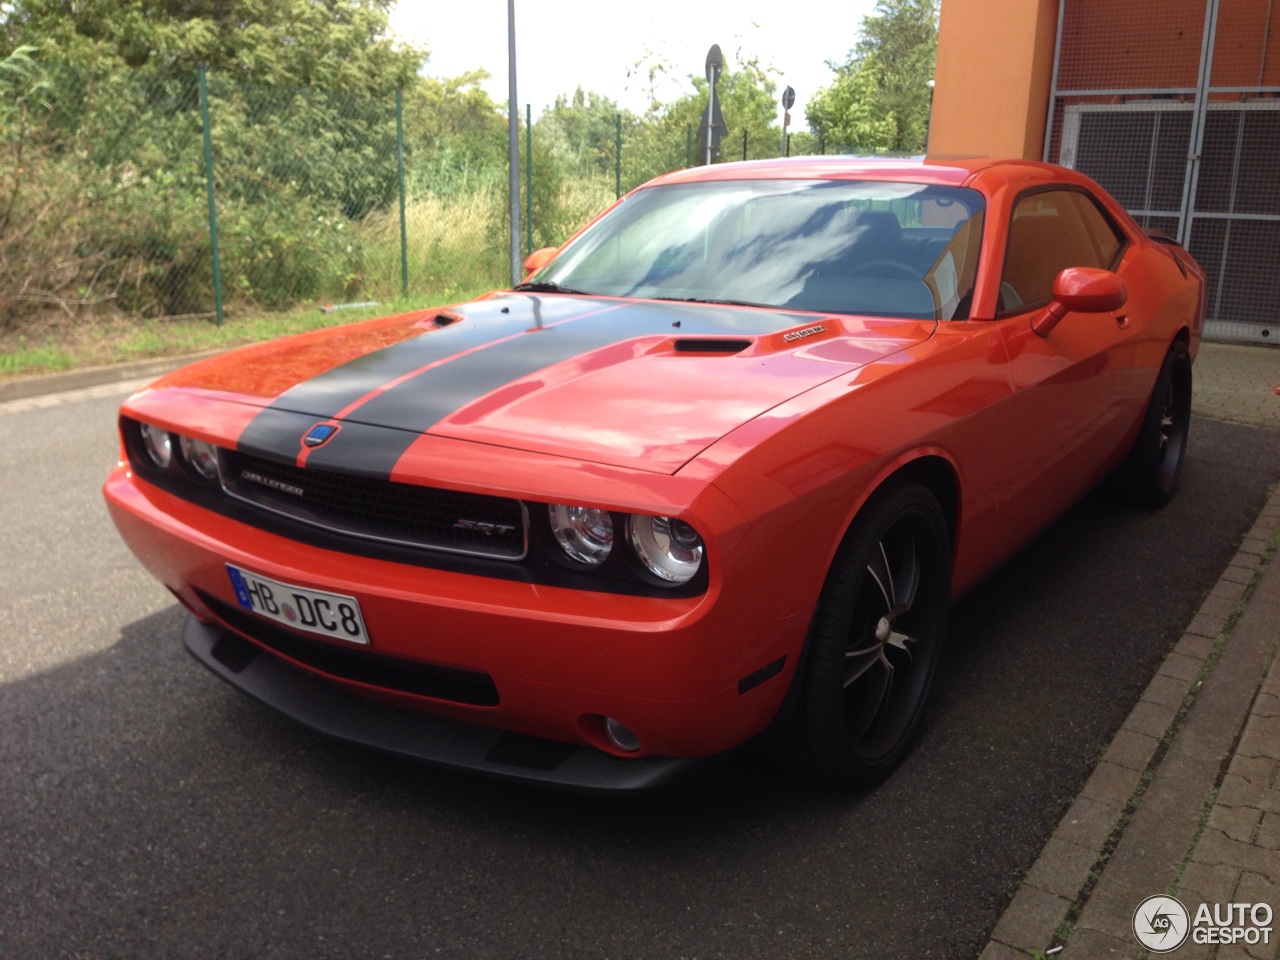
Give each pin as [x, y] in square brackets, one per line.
[1187, 796]
[23, 387]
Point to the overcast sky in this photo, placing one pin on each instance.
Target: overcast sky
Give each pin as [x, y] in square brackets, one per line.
[563, 44]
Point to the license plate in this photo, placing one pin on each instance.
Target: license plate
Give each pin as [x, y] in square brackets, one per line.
[314, 611]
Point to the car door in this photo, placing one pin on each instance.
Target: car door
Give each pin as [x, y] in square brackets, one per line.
[1072, 404]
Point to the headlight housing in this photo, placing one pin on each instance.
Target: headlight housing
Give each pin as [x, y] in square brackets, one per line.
[569, 545]
[202, 457]
[668, 548]
[160, 453]
[584, 533]
[158, 443]
[663, 552]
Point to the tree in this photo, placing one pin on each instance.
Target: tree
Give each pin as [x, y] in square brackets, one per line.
[582, 132]
[880, 97]
[325, 43]
[455, 135]
[301, 96]
[748, 102]
[847, 115]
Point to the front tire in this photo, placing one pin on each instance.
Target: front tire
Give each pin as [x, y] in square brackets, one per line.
[876, 638]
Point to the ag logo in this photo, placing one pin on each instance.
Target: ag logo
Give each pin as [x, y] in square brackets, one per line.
[1161, 924]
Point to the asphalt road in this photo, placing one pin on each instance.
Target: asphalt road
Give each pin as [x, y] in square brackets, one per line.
[146, 810]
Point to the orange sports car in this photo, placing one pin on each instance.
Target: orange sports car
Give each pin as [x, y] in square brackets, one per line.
[712, 474]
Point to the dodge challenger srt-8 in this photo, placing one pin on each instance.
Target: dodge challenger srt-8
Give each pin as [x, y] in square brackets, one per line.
[715, 470]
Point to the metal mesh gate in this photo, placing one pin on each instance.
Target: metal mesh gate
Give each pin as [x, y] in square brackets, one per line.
[1174, 106]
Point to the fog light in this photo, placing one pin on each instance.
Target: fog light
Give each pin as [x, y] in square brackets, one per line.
[620, 736]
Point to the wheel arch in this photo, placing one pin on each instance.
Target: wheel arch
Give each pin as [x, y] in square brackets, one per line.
[1184, 336]
[933, 469]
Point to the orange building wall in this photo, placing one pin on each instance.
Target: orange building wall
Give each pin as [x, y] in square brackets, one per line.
[1239, 58]
[1127, 43]
[991, 83]
[995, 60]
[1110, 44]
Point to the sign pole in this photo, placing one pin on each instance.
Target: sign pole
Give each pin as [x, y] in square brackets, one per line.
[513, 144]
[788, 101]
[715, 63]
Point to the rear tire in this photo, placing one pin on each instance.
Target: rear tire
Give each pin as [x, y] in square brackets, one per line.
[876, 638]
[1150, 474]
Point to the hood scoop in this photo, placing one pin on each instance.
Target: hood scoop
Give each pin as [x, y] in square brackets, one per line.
[706, 345]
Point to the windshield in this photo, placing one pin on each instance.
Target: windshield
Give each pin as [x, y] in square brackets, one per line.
[836, 246]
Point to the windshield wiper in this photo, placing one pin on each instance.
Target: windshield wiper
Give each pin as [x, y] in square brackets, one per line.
[726, 303]
[546, 286]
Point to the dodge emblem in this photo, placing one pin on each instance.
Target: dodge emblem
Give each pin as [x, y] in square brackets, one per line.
[319, 434]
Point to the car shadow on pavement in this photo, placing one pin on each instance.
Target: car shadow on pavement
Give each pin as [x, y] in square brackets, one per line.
[151, 810]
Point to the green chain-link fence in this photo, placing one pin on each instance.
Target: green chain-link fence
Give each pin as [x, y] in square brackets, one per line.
[318, 196]
[104, 199]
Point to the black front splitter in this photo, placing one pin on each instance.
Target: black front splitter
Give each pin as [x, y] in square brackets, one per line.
[333, 710]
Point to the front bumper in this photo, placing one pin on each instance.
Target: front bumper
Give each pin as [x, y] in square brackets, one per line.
[330, 709]
[691, 677]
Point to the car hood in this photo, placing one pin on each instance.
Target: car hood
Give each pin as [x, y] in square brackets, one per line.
[640, 384]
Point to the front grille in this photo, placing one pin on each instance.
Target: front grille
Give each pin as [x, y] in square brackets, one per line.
[400, 513]
[361, 665]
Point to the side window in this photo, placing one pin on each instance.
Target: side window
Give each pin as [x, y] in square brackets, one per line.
[1049, 233]
[1106, 238]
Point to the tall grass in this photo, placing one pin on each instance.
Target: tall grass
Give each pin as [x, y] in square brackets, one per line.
[452, 244]
[459, 242]
[457, 249]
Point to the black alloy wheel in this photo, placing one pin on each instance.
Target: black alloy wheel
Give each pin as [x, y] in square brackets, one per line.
[876, 638]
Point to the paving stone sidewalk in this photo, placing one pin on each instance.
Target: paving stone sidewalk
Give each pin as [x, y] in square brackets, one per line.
[1237, 382]
[1186, 800]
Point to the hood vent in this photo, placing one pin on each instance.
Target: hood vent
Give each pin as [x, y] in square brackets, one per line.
[710, 345]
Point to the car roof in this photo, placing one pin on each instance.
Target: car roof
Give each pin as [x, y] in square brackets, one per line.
[941, 170]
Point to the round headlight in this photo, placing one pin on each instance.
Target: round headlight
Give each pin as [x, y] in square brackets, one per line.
[158, 443]
[584, 533]
[669, 549]
[202, 456]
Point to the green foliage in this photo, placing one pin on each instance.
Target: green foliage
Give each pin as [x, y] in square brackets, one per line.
[880, 98]
[667, 138]
[103, 205]
[455, 136]
[337, 44]
[749, 103]
[102, 175]
[327, 146]
[848, 115]
[575, 154]
[581, 135]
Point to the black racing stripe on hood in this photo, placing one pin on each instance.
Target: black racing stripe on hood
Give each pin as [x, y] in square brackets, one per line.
[376, 433]
[487, 321]
[419, 403]
[422, 401]
[277, 431]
